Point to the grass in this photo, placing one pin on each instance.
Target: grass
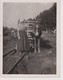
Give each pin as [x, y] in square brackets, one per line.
[44, 62]
[38, 63]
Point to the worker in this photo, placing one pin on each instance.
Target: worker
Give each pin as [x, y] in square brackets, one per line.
[23, 42]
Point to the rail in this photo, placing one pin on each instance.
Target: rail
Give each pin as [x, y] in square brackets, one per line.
[9, 52]
[10, 71]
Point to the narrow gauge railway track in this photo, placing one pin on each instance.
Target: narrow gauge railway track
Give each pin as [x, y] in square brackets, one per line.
[11, 62]
[13, 50]
[10, 71]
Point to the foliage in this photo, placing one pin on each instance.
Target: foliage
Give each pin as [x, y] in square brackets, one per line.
[47, 18]
[6, 31]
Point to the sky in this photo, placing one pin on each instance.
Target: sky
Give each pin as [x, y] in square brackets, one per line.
[12, 12]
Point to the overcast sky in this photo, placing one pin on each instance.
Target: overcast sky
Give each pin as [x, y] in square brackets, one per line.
[14, 11]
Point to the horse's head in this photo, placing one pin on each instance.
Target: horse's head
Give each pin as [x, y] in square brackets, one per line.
[38, 31]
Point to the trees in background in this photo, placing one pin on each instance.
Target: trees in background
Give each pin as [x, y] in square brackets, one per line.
[6, 31]
[9, 33]
[47, 18]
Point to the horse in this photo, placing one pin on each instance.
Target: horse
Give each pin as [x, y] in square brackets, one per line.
[36, 36]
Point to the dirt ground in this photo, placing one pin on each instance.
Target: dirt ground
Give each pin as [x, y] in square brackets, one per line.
[43, 62]
[38, 63]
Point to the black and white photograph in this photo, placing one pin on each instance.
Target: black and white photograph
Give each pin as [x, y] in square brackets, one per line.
[29, 38]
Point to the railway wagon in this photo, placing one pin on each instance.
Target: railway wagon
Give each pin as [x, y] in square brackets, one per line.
[30, 32]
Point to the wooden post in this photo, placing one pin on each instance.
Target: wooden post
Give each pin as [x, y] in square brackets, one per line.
[38, 45]
[34, 45]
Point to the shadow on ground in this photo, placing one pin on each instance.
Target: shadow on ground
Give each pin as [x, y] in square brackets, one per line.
[45, 44]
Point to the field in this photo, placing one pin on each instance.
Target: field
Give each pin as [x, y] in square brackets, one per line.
[44, 62]
[37, 63]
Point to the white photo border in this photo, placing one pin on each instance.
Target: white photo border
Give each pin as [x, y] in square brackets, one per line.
[58, 41]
